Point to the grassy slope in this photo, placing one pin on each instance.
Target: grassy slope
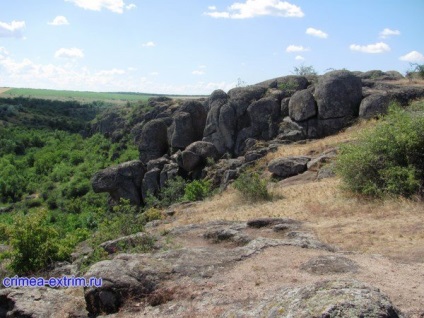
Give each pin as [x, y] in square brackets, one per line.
[79, 96]
[393, 227]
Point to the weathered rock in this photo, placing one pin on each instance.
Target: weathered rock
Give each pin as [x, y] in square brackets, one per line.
[153, 140]
[197, 154]
[150, 184]
[330, 264]
[338, 94]
[302, 106]
[126, 276]
[268, 222]
[373, 105]
[157, 163]
[125, 242]
[189, 124]
[287, 84]
[121, 181]
[289, 166]
[338, 299]
[284, 109]
[263, 115]
[169, 171]
[42, 302]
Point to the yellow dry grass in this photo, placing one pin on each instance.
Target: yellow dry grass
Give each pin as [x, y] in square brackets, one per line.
[392, 227]
[3, 89]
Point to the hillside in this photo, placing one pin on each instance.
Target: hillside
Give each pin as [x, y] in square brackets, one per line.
[172, 235]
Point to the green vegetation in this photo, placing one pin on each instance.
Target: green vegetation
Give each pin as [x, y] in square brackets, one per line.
[82, 97]
[304, 70]
[252, 188]
[197, 190]
[416, 70]
[388, 159]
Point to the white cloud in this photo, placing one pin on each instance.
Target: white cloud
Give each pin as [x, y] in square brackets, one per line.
[317, 33]
[255, 8]
[388, 33]
[130, 6]
[59, 20]
[13, 29]
[413, 57]
[211, 8]
[111, 72]
[296, 48]
[154, 73]
[149, 44]
[198, 72]
[70, 53]
[116, 6]
[299, 58]
[380, 47]
[3, 53]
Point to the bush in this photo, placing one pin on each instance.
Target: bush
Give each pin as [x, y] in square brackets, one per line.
[303, 70]
[197, 190]
[388, 159]
[35, 244]
[252, 188]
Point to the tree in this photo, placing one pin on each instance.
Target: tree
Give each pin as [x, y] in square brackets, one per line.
[304, 70]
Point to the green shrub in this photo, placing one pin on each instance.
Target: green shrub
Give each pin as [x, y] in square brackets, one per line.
[197, 190]
[388, 159]
[35, 244]
[252, 187]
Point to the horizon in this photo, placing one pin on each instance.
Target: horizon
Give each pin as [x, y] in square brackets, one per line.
[193, 48]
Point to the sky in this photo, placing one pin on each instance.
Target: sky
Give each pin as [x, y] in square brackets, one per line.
[197, 46]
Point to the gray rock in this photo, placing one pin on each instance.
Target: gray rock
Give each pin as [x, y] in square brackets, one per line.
[197, 154]
[119, 244]
[153, 140]
[373, 105]
[263, 115]
[330, 264]
[289, 166]
[157, 163]
[121, 181]
[333, 298]
[284, 109]
[189, 124]
[41, 302]
[302, 106]
[169, 171]
[287, 84]
[338, 94]
[150, 184]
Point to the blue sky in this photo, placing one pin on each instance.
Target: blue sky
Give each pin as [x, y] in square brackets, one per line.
[197, 46]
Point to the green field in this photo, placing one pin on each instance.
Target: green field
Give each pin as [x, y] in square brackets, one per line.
[115, 97]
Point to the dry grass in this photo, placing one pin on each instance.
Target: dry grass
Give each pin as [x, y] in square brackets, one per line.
[407, 82]
[3, 89]
[393, 227]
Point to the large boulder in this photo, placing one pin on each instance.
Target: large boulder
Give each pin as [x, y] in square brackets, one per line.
[338, 94]
[302, 106]
[288, 166]
[188, 125]
[153, 140]
[121, 181]
[264, 115]
[151, 183]
[197, 154]
[373, 105]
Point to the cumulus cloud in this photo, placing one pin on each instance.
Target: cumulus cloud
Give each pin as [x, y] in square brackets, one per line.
[386, 33]
[299, 58]
[116, 6]
[198, 72]
[149, 44]
[12, 30]
[317, 33]
[111, 72]
[131, 6]
[255, 8]
[296, 48]
[154, 73]
[413, 57]
[71, 53]
[59, 20]
[380, 47]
